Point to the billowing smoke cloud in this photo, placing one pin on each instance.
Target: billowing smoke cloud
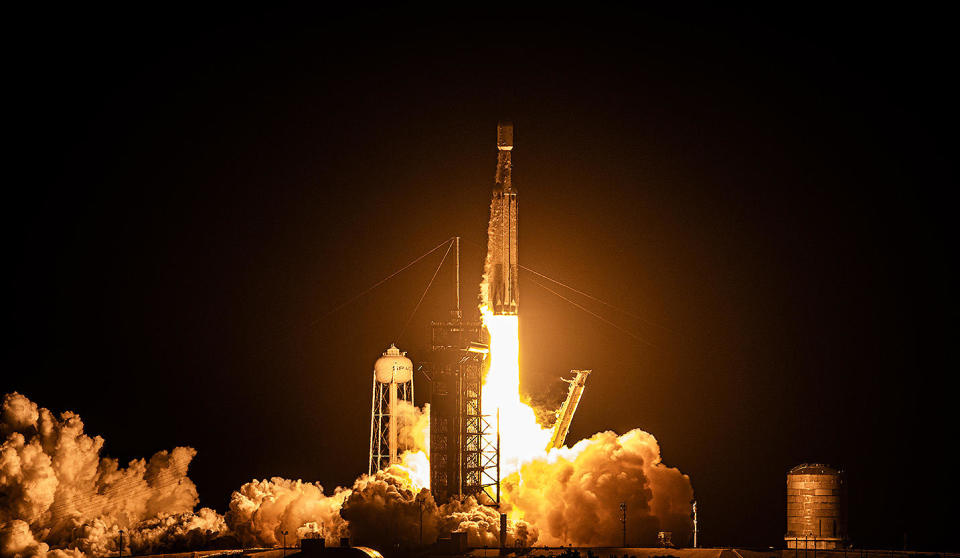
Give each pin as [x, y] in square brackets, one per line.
[381, 510]
[60, 498]
[482, 524]
[386, 509]
[261, 510]
[414, 431]
[57, 492]
[573, 494]
[414, 438]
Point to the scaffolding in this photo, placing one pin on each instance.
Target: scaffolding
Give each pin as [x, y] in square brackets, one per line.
[481, 455]
[464, 445]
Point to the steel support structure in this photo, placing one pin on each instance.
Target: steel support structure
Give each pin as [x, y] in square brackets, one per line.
[385, 424]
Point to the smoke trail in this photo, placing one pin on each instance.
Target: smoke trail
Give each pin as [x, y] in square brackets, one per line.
[492, 225]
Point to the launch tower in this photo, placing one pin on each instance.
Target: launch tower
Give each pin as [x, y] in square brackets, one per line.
[464, 457]
[465, 443]
[457, 427]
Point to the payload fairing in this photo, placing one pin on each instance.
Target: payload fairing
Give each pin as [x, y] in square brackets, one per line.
[502, 248]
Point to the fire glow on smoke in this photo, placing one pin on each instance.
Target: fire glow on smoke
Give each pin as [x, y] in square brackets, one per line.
[60, 498]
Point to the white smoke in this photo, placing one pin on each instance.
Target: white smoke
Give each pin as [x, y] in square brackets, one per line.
[57, 492]
[60, 498]
[261, 510]
[482, 524]
[573, 494]
[414, 431]
[484, 297]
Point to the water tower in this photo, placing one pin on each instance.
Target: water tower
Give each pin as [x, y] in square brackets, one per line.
[392, 383]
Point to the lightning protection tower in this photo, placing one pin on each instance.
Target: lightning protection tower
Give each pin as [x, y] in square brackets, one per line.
[392, 384]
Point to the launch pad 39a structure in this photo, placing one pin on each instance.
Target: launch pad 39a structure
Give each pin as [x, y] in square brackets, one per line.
[464, 450]
[464, 441]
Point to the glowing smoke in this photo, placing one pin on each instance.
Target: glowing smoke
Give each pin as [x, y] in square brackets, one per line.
[414, 435]
[385, 509]
[482, 524]
[59, 497]
[573, 494]
[379, 510]
[56, 490]
[261, 509]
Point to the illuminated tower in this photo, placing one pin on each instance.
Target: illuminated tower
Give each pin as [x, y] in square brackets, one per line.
[392, 384]
[502, 249]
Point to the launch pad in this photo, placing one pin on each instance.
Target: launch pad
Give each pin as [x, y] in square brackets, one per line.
[465, 442]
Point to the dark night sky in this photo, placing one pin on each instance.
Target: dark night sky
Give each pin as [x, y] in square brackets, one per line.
[191, 198]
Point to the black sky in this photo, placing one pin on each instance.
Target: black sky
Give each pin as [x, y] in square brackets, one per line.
[190, 194]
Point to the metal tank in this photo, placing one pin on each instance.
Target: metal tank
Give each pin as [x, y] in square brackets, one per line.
[816, 507]
[393, 366]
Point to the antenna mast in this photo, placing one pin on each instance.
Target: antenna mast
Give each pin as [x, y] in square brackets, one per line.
[458, 276]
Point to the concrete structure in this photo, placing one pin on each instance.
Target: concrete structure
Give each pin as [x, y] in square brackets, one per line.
[816, 507]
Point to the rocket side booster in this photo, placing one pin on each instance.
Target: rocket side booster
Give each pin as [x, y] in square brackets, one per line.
[502, 241]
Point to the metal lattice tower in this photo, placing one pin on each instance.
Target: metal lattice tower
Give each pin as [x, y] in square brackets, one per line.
[392, 385]
[463, 460]
[481, 457]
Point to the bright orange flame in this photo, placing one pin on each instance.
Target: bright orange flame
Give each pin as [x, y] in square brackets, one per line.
[521, 438]
[416, 465]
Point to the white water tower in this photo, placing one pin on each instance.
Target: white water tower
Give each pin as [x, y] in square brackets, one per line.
[392, 382]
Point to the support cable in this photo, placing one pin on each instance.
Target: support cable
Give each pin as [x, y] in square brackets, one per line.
[587, 295]
[385, 279]
[417, 307]
[591, 297]
[594, 314]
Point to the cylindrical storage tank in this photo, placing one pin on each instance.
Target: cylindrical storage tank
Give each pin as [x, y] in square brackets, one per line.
[393, 367]
[816, 507]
